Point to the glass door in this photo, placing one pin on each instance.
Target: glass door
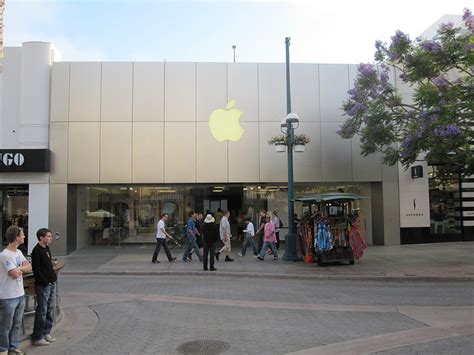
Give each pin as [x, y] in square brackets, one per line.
[14, 207]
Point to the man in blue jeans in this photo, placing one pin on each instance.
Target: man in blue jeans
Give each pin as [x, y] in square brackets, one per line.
[45, 286]
[12, 294]
[191, 234]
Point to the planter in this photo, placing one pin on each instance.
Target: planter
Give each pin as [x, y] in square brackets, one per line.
[280, 148]
[299, 148]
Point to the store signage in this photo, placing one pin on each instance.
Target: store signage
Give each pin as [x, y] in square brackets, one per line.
[416, 172]
[225, 123]
[24, 160]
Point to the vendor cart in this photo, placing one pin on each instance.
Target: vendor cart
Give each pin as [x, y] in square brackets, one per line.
[333, 209]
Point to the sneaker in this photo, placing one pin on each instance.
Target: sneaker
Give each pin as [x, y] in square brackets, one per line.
[213, 269]
[275, 258]
[260, 258]
[205, 269]
[190, 257]
[49, 338]
[41, 342]
[217, 256]
[240, 254]
[12, 351]
[156, 262]
[227, 258]
[172, 259]
[256, 256]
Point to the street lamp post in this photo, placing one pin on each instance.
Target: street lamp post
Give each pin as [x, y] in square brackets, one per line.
[233, 47]
[289, 124]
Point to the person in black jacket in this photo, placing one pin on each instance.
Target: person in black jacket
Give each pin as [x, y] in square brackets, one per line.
[45, 285]
[210, 235]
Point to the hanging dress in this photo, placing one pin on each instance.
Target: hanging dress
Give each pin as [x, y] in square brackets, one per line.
[356, 240]
[323, 241]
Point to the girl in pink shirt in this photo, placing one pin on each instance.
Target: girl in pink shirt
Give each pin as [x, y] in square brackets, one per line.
[269, 240]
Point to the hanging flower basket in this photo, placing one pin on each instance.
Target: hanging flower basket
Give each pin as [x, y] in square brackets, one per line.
[299, 148]
[280, 147]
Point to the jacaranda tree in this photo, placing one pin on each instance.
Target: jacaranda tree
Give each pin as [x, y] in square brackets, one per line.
[436, 122]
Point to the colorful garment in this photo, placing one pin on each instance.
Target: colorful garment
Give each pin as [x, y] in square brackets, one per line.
[323, 241]
[356, 240]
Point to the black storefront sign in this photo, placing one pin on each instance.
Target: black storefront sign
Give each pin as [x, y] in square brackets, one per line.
[24, 160]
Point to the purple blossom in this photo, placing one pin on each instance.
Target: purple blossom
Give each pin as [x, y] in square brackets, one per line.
[430, 46]
[468, 19]
[378, 45]
[446, 26]
[366, 70]
[356, 108]
[403, 77]
[447, 131]
[441, 82]
[400, 38]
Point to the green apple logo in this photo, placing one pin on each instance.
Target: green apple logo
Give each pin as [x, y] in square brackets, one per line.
[225, 124]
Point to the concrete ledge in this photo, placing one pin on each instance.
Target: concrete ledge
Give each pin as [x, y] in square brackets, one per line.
[394, 278]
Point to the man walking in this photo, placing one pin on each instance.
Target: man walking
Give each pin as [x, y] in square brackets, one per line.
[225, 234]
[191, 234]
[161, 235]
[45, 286]
[250, 232]
[12, 300]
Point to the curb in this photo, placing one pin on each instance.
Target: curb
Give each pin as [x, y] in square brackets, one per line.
[426, 278]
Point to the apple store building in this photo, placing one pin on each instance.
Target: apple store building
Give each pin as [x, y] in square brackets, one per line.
[123, 142]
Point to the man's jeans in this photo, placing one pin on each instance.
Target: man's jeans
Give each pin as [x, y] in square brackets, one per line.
[272, 247]
[192, 245]
[253, 243]
[44, 314]
[159, 243]
[11, 314]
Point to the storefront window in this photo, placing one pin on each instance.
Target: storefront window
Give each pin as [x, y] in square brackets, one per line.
[14, 207]
[130, 213]
[445, 211]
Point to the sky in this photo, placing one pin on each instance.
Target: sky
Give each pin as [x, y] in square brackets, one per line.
[328, 31]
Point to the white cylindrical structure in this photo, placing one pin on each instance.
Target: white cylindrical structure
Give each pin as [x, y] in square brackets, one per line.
[35, 94]
[38, 211]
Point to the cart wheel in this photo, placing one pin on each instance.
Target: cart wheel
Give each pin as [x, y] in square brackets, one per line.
[351, 262]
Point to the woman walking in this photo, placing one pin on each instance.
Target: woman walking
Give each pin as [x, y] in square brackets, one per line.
[269, 240]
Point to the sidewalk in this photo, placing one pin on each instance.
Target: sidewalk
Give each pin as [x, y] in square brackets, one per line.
[420, 262]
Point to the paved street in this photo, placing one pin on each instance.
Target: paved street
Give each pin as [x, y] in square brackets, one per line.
[156, 314]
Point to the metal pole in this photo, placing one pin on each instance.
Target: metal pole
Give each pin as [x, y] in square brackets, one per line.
[290, 238]
[233, 47]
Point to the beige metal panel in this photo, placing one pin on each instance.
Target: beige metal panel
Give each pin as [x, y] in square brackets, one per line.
[115, 152]
[180, 152]
[58, 216]
[84, 92]
[84, 151]
[243, 88]
[116, 102]
[211, 156]
[243, 155]
[305, 91]
[334, 84]
[58, 145]
[336, 154]
[148, 158]
[60, 92]
[148, 91]
[368, 168]
[211, 83]
[273, 166]
[180, 92]
[307, 165]
[272, 92]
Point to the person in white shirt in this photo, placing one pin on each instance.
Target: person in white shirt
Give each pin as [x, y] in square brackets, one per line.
[161, 235]
[249, 240]
[225, 234]
[12, 294]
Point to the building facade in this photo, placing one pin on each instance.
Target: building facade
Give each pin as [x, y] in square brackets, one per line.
[130, 140]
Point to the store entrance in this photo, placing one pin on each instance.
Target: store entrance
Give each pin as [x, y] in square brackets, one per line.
[14, 207]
